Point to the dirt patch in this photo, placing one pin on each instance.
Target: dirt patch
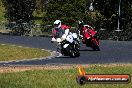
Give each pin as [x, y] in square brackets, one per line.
[18, 68]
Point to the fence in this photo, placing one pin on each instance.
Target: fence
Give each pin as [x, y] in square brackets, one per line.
[29, 29]
[14, 28]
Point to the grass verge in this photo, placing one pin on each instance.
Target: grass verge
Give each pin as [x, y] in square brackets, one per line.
[61, 78]
[8, 52]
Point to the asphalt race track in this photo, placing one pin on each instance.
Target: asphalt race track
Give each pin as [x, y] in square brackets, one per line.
[111, 51]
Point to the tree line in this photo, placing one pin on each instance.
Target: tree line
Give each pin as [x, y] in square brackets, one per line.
[69, 11]
[105, 13]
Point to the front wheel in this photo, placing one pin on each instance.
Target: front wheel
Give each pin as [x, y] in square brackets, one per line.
[69, 51]
[72, 53]
[77, 52]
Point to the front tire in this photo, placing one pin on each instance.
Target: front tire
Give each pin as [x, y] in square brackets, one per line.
[69, 52]
[72, 53]
[77, 53]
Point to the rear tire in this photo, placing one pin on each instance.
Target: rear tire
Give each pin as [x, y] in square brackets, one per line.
[95, 46]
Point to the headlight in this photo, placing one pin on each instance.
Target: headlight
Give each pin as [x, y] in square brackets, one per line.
[58, 40]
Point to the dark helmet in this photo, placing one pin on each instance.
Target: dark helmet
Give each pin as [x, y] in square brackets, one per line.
[80, 23]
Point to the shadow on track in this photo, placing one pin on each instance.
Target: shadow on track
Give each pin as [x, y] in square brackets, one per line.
[87, 50]
[65, 57]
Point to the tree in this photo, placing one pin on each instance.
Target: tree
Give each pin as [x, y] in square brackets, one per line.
[109, 8]
[68, 11]
[19, 9]
[41, 5]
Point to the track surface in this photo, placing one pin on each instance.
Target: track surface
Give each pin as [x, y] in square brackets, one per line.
[111, 51]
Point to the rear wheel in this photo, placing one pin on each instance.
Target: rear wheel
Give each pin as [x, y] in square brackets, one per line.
[95, 46]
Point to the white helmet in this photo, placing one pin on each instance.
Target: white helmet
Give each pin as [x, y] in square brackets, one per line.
[57, 24]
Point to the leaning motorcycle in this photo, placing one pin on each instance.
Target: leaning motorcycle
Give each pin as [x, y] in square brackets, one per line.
[89, 38]
[68, 45]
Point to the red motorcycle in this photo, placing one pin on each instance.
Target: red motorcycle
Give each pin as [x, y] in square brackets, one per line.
[89, 37]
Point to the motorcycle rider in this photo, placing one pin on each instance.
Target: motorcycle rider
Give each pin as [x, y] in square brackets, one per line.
[59, 30]
[80, 27]
[85, 30]
[62, 32]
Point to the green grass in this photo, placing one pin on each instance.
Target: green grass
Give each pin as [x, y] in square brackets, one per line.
[8, 52]
[60, 78]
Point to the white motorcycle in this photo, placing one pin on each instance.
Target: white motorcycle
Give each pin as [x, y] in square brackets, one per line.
[68, 45]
